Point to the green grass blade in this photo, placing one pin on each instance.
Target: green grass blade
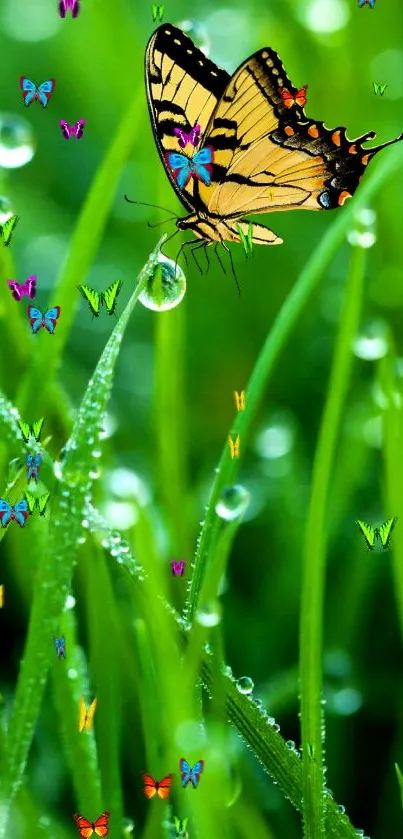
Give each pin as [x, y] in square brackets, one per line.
[314, 556]
[275, 342]
[53, 580]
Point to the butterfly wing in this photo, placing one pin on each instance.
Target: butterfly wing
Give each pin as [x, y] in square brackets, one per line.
[17, 289]
[37, 428]
[30, 286]
[202, 162]
[63, 8]
[183, 89]
[79, 128]
[164, 787]
[267, 158]
[7, 229]
[20, 512]
[36, 318]
[92, 297]
[90, 714]
[101, 824]
[81, 714]
[182, 137]
[67, 130]
[196, 772]
[42, 501]
[84, 826]
[109, 296]
[45, 91]
[25, 429]
[368, 533]
[185, 770]
[150, 785]
[29, 90]
[385, 531]
[50, 317]
[31, 502]
[6, 512]
[180, 165]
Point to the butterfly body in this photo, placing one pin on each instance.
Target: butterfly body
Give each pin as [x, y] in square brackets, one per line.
[190, 774]
[7, 228]
[60, 644]
[99, 827]
[76, 130]
[96, 299]
[42, 93]
[33, 463]
[18, 513]
[73, 5]
[374, 534]
[19, 289]
[256, 154]
[178, 567]
[154, 788]
[47, 320]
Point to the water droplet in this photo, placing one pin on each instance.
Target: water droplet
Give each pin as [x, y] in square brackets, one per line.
[372, 342]
[244, 685]
[278, 438]
[94, 474]
[85, 523]
[127, 826]
[362, 239]
[97, 453]
[6, 211]
[70, 602]
[232, 503]
[341, 808]
[165, 287]
[290, 744]
[57, 468]
[16, 141]
[209, 614]
[197, 32]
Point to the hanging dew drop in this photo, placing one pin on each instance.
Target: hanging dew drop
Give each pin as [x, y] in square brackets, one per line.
[165, 287]
[209, 614]
[6, 211]
[16, 141]
[233, 502]
[244, 685]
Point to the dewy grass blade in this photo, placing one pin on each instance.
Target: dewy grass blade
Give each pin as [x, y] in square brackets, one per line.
[53, 580]
[275, 342]
[314, 554]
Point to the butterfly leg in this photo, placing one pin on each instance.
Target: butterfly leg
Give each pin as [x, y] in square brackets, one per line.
[232, 266]
[202, 244]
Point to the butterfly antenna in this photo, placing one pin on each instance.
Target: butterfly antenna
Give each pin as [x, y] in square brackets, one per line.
[155, 206]
[158, 223]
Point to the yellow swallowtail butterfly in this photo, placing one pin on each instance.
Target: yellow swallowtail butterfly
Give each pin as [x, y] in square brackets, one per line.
[254, 154]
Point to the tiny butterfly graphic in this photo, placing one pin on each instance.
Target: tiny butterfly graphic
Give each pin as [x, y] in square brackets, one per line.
[178, 567]
[73, 5]
[31, 92]
[33, 466]
[19, 289]
[189, 774]
[193, 137]
[76, 130]
[184, 168]
[60, 644]
[38, 319]
[18, 513]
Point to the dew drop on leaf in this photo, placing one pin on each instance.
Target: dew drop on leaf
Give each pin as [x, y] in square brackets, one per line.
[232, 502]
[244, 685]
[16, 141]
[209, 614]
[165, 287]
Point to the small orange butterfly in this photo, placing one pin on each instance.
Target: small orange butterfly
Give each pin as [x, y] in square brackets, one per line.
[85, 718]
[291, 99]
[152, 787]
[86, 828]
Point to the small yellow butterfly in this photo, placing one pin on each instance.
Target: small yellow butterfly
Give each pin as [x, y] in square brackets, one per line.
[86, 715]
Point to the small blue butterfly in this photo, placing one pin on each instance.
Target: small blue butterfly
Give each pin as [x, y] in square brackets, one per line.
[19, 513]
[60, 644]
[188, 774]
[30, 91]
[48, 320]
[371, 3]
[33, 464]
[184, 168]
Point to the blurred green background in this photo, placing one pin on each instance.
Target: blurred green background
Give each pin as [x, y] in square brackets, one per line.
[338, 50]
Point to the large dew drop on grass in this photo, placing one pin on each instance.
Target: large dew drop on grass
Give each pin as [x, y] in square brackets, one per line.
[16, 141]
[232, 502]
[166, 285]
[244, 685]
[209, 614]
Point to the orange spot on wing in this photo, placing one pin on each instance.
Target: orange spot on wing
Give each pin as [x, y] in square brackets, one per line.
[313, 131]
[366, 158]
[336, 138]
[353, 149]
[343, 197]
[289, 131]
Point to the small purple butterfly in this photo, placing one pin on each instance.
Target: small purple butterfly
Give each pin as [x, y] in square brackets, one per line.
[177, 567]
[19, 289]
[73, 5]
[76, 130]
[193, 137]
[33, 465]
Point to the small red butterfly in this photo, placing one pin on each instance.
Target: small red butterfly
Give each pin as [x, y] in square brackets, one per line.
[152, 787]
[86, 828]
[291, 99]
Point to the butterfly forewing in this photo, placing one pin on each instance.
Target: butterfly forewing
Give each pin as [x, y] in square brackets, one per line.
[92, 297]
[109, 297]
[385, 531]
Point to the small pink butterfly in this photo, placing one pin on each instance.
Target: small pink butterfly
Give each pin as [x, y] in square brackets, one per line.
[73, 5]
[177, 567]
[193, 137]
[19, 289]
[76, 130]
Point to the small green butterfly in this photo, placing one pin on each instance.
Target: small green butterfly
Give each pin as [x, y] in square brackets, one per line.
[157, 13]
[38, 502]
[97, 298]
[180, 826]
[383, 532]
[246, 239]
[33, 430]
[379, 88]
[6, 229]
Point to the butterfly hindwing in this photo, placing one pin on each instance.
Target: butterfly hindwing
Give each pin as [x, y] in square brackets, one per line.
[92, 297]
[7, 229]
[368, 533]
[384, 531]
[109, 297]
